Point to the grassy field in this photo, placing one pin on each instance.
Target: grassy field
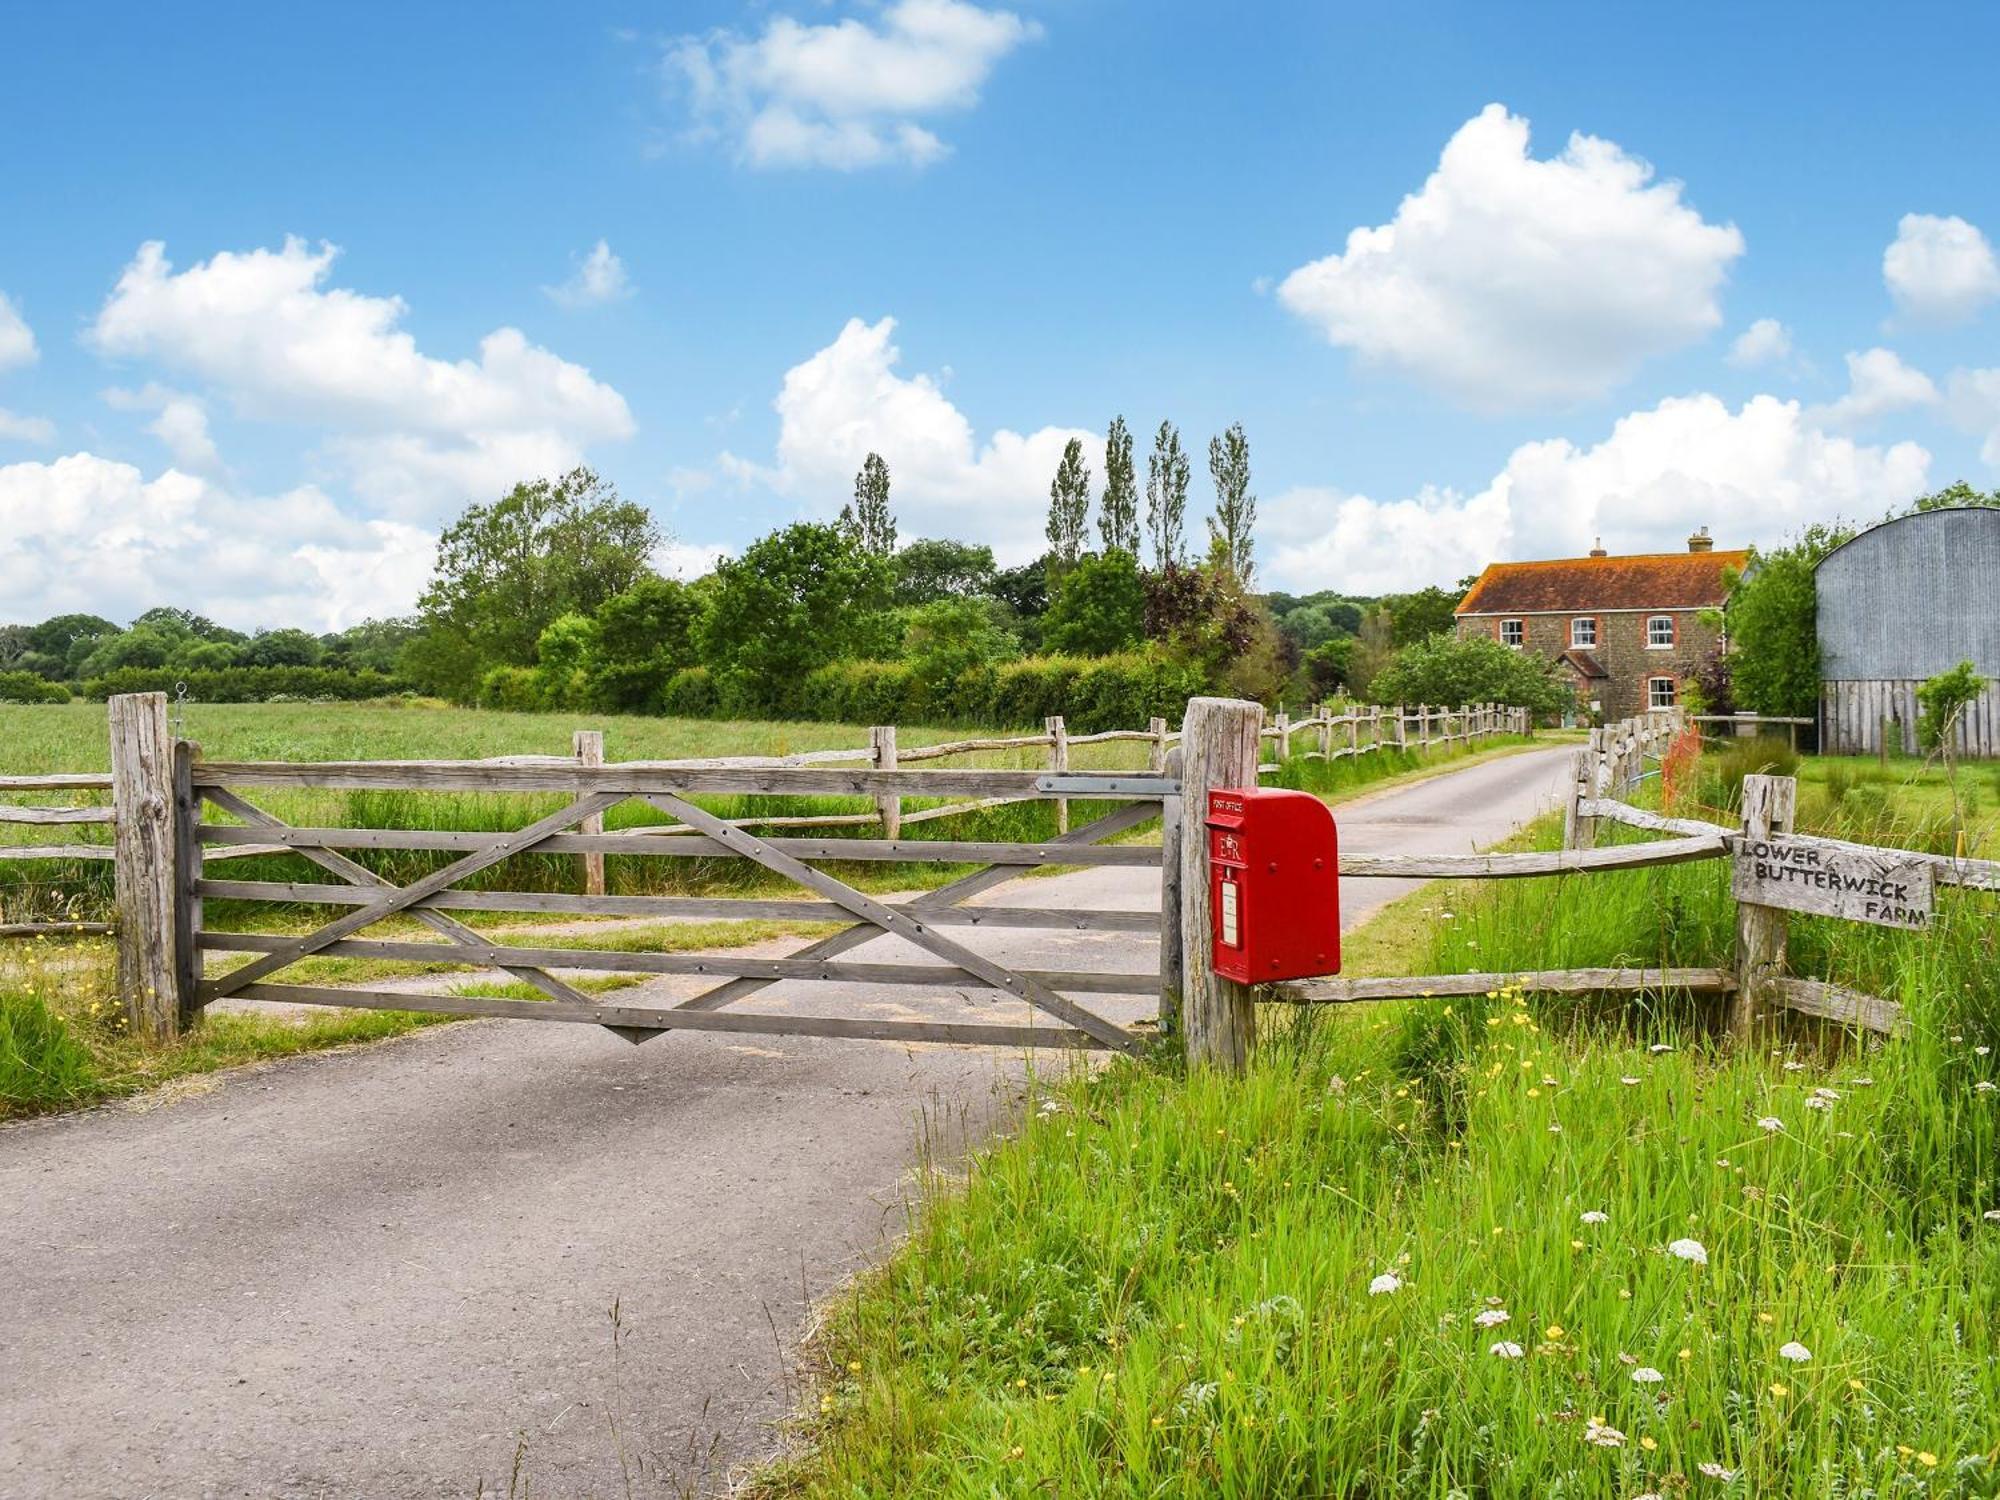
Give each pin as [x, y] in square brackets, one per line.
[62, 1038]
[1474, 1248]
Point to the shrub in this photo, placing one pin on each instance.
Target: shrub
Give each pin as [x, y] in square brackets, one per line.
[689, 694]
[1942, 699]
[1444, 668]
[248, 684]
[27, 687]
[515, 689]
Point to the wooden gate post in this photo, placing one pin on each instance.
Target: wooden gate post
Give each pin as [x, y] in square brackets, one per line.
[1769, 804]
[588, 747]
[146, 839]
[1220, 746]
[1156, 752]
[882, 740]
[1059, 763]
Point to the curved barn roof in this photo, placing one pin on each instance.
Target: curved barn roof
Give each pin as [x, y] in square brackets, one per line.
[1912, 597]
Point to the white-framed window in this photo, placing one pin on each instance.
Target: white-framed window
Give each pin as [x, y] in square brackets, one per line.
[1583, 631]
[1512, 632]
[1659, 632]
[1662, 692]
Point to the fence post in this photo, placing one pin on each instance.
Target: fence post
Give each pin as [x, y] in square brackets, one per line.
[1173, 953]
[1283, 724]
[1059, 763]
[146, 838]
[882, 740]
[1325, 716]
[587, 745]
[1424, 726]
[1579, 832]
[1769, 803]
[1402, 728]
[1156, 753]
[1220, 746]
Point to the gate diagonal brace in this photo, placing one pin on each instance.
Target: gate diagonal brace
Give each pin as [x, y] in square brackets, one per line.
[901, 924]
[962, 889]
[402, 898]
[359, 874]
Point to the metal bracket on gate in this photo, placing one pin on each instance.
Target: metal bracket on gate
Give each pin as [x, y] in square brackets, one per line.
[1065, 784]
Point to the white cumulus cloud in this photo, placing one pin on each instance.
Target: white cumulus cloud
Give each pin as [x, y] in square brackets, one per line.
[843, 94]
[89, 533]
[181, 423]
[1752, 474]
[1508, 281]
[17, 339]
[1766, 341]
[14, 427]
[847, 401]
[598, 278]
[1878, 382]
[421, 434]
[1973, 401]
[1940, 269]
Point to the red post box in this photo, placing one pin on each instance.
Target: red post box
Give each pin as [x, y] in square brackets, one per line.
[1274, 884]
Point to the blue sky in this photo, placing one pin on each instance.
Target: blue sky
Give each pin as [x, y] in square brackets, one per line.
[374, 296]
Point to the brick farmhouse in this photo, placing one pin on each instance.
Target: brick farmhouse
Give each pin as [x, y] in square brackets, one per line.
[1627, 630]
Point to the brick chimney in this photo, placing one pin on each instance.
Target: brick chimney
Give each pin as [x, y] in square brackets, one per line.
[1598, 550]
[1701, 541]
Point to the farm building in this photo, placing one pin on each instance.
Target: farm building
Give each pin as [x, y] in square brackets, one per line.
[1901, 602]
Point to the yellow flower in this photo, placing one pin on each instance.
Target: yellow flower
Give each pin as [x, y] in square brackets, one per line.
[1687, 1354]
[1555, 1331]
[854, 1366]
[1159, 1421]
[1648, 1444]
[1780, 1390]
[1928, 1460]
[1855, 1385]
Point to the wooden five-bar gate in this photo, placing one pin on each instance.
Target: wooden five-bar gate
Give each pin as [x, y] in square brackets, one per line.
[200, 790]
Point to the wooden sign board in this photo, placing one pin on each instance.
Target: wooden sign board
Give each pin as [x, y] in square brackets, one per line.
[1835, 880]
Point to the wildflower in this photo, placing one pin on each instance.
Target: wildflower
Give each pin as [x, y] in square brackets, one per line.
[1628, 1082]
[1595, 1216]
[1384, 1284]
[1604, 1437]
[1796, 1352]
[1648, 1444]
[1492, 1317]
[1781, 1390]
[1715, 1471]
[1692, 1250]
[1982, 1051]
[1555, 1332]
[1505, 1350]
[1771, 1123]
[1827, 1094]
[1928, 1460]
[1686, 1355]
[1815, 1102]
[1985, 1086]
[1855, 1385]
[1659, 1047]
[1647, 1375]
[1795, 1067]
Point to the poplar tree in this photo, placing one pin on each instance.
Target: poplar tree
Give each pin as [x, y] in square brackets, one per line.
[1229, 540]
[867, 519]
[1118, 515]
[1069, 505]
[1166, 497]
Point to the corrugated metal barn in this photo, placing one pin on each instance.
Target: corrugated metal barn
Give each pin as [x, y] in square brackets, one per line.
[1902, 602]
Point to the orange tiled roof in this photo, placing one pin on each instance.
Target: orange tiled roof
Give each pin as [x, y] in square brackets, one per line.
[1650, 580]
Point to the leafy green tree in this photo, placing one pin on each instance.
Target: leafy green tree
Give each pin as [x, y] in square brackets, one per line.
[208, 656]
[1943, 699]
[1772, 619]
[564, 654]
[1959, 493]
[141, 646]
[1099, 606]
[1229, 530]
[794, 600]
[1118, 512]
[1446, 669]
[1069, 505]
[931, 569]
[868, 516]
[371, 646]
[1329, 666]
[281, 648]
[1427, 612]
[185, 622]
[949, 638]
[1166, 497]
[505, 571]
[640, 639]
[54, 636]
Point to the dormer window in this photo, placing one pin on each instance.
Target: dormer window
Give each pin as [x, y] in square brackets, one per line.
[1583, 631]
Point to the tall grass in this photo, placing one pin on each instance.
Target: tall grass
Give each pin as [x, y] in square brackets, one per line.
[1175, 1286]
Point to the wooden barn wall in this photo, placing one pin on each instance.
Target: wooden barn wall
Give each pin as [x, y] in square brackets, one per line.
[1853, 715]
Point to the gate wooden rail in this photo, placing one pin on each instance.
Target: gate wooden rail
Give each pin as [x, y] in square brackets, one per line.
[923, 921]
